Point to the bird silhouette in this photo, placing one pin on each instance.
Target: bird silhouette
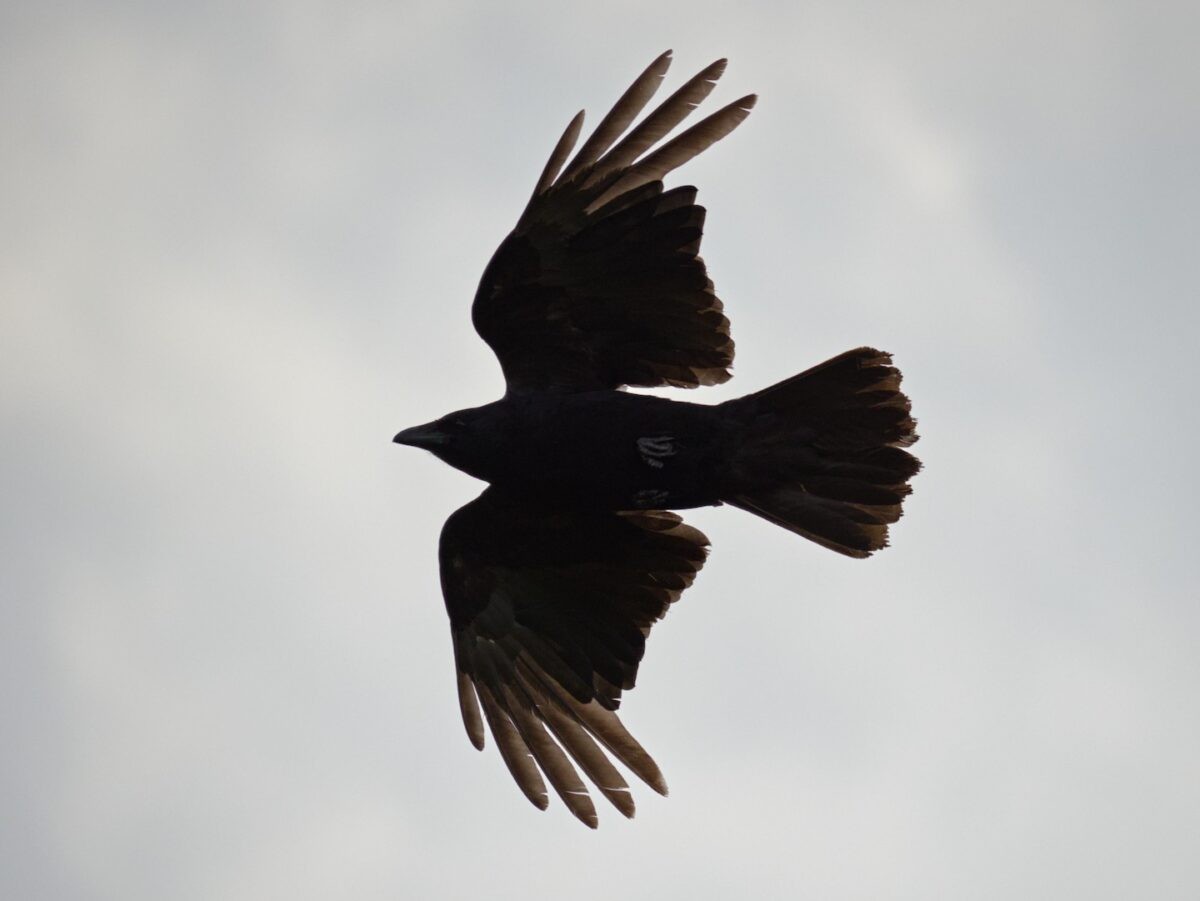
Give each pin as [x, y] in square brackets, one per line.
[555, 574]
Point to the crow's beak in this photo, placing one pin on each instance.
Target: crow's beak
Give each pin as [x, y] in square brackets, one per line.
[428, 436]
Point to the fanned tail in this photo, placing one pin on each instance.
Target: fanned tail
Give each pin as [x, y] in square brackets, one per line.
[823, 452]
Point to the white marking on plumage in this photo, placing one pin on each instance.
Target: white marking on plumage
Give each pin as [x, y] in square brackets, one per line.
[653, 450]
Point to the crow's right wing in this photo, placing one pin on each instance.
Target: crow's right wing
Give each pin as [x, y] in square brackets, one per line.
[549, 613]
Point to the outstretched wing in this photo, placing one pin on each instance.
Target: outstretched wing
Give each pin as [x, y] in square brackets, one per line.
[549, 613]
[600, 283]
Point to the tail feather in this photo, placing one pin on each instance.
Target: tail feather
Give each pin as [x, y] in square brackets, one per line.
[822, 453]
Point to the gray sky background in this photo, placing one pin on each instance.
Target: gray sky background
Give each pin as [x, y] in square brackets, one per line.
[239, 243]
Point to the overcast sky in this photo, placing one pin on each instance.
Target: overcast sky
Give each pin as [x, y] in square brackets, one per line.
[238, 243]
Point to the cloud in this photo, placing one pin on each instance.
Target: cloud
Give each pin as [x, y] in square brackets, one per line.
[240, 244]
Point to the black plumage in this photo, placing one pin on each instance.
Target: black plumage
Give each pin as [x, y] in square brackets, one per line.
[554, 575]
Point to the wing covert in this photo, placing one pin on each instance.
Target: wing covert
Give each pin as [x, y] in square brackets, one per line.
[601, 283]
[549, 614]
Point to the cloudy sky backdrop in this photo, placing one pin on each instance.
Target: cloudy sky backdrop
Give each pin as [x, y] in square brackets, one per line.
[238, 242]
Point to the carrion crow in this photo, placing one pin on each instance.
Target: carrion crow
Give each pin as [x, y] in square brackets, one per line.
[555, 574]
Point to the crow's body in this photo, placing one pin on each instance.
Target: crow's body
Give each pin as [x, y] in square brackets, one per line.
[554, 575]
[596, 450]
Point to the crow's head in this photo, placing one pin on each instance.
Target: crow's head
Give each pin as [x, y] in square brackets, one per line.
[465, 439]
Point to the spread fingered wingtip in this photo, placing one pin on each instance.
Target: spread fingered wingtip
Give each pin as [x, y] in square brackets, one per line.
[621, 116]
[603, 154]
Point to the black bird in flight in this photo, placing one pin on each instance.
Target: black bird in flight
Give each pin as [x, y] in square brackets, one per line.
[555, 574]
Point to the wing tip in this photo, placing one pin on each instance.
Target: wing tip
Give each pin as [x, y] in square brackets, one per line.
[622, 800]
[659, 67]
[591, 820]
[658, 783]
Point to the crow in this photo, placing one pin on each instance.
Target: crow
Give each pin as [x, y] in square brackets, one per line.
[555, 574]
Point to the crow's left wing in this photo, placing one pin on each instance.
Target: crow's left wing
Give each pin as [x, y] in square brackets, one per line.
[601, 284]
[549, 613]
